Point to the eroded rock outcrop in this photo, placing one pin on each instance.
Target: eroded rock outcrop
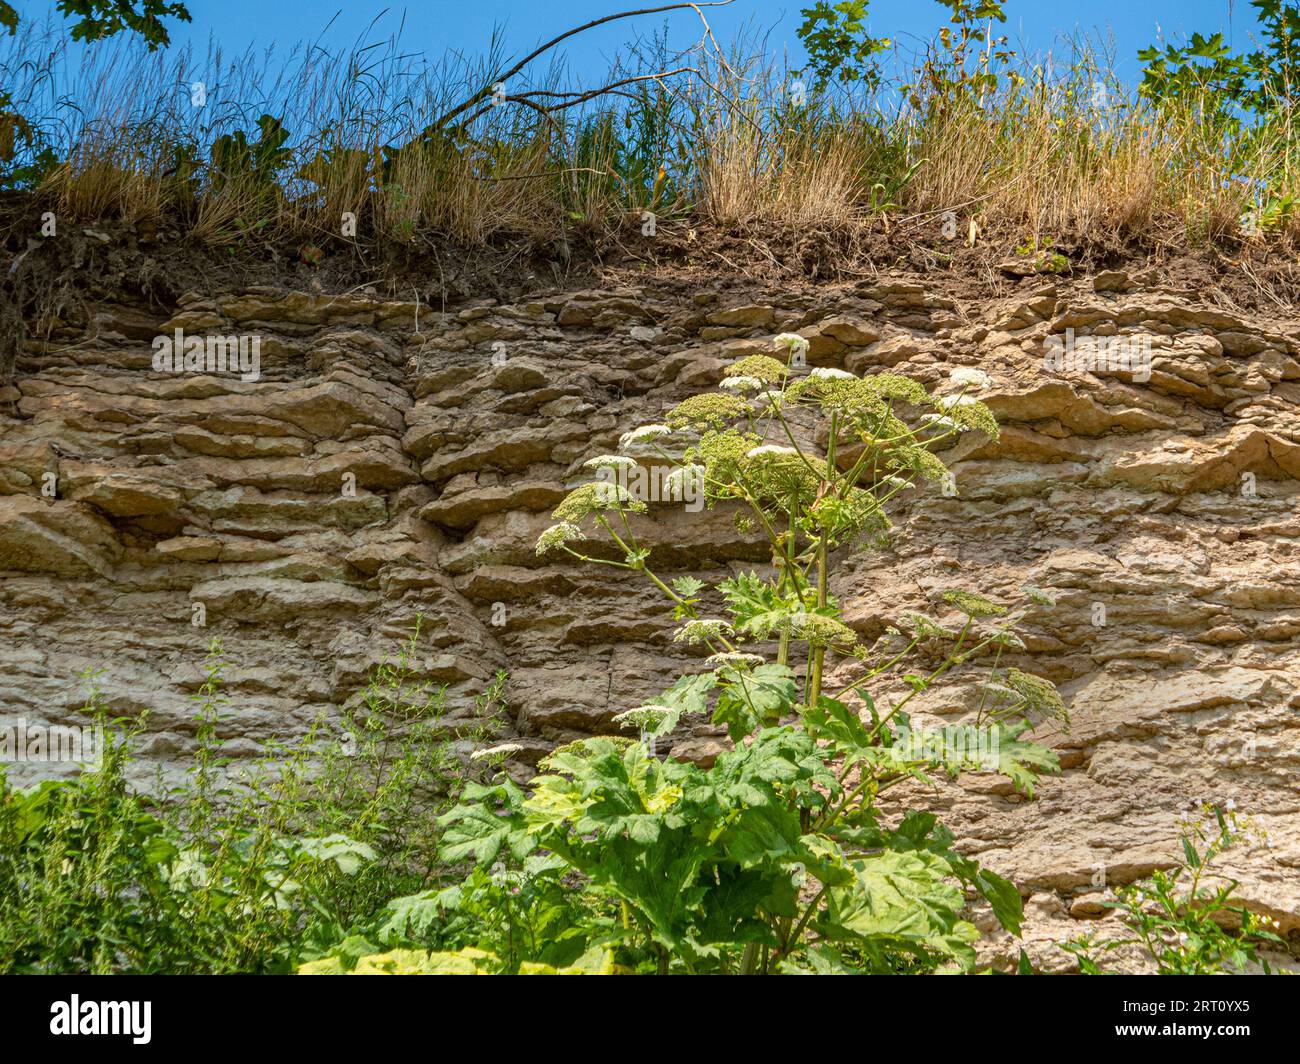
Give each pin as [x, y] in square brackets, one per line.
[391, 461]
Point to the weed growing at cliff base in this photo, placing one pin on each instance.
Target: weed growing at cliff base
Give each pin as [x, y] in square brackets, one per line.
[258, 872]
[1184, 920]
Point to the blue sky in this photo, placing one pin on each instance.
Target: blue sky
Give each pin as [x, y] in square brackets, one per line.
[1033, 25]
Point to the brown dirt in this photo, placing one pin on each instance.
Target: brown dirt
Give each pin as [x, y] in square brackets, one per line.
[43, 281]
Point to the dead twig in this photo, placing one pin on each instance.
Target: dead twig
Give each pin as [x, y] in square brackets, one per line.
[526, 98]
[487, 90]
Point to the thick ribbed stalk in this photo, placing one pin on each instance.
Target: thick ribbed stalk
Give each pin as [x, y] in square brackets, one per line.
[819, 653]
[787, 582]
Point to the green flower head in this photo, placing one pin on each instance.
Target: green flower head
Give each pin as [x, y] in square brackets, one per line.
[1038, 595]
[837, 392]
[820, 631]
[927, 628]
[856, 514]
[898, 388]
[595, 497]
[761, 367]
[1039, 695]
[722, 454]
[781, 474]
[912, 458]
[584, 749]
[969, 413]
[973, 605]
[710, 410]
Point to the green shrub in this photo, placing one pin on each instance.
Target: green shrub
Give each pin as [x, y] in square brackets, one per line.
[82, 873]
[1184, 920]
[226, 874]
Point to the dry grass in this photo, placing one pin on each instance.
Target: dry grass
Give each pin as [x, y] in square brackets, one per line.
[1045, 155]
[1047, 164]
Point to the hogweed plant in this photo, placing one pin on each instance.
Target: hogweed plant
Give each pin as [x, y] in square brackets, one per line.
[778, 857]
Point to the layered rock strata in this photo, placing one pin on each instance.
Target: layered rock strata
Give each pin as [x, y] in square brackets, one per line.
[390, 462]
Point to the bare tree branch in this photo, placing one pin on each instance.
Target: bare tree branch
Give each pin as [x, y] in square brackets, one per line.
[526, 98]
[486, 91]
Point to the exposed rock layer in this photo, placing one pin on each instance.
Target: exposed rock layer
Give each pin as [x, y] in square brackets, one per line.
[1162, 514]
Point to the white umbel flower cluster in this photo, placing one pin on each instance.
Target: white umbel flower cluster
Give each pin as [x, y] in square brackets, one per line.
[698, 631]
[969, 377]
[938, 421]
[735, 659]
[770, 448]
[558, 536]
[610, 461]
[644, 434]
[791, 342]
[679, 481]
[643, 717]
[501, 750]
[742, 384]
[827, 374]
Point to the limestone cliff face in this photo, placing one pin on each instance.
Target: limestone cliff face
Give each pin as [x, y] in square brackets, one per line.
[382, 468]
